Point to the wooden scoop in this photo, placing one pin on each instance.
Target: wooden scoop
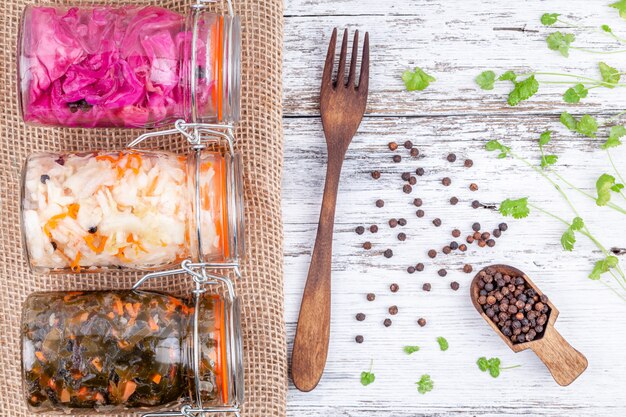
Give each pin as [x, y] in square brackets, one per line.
[563, 361]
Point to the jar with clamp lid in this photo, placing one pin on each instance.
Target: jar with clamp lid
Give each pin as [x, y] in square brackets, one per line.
[128, 66]
[132, 209]
[131, 350]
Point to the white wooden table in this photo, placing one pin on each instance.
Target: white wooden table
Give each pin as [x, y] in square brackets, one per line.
[453, 40]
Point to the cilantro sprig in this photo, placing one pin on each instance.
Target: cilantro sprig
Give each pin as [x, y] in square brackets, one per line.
[368, 377]
[425, 384]
[492, 366]
[417, 80]
[411, 349]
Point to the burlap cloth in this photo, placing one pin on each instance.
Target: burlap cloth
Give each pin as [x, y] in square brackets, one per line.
[259, 140]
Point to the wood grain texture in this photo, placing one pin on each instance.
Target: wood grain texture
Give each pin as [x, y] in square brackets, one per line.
[453, 40]
[563, 361]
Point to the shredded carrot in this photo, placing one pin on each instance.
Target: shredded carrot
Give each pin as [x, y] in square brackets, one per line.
[53, 222]
[152, 324]
[129, 162]
[70, 296]
[40, 356]
[131, 239]
[111, 315]
[83, 317]
[152, 186]
[97, 363]
[123, 344]
[109, 158]
[99, 398]
[120, 255]
[90, 239]
[72, 210]
[52, 384]
[156, 378]
[65, 396]
[129, 389]
[118, 306]
[83, 393]
[75, 266]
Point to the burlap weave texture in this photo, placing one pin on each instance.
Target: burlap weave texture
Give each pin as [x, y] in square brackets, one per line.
[259, 139]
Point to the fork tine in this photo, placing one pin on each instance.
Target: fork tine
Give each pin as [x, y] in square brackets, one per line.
[355, 50]
[365, 66]
[327, 76]
[341, 70]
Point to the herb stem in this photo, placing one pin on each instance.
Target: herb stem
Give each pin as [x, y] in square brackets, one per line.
[510, 367]
[615, 169]
[593, 51]
[586, 194]
[614, 290]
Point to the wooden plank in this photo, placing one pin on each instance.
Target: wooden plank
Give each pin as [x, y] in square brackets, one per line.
[591, 316]
[454, 42]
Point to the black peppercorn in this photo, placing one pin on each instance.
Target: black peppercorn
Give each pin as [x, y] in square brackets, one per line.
[373, 228]
[387, 322]
[468, 163]
[476, 227]
[405, 176]
[454, 285]
[360, 316]
[44, 178]
[446, 181]
[410, 270]
[393, 223]
[393, 310]
[451, 157]
[419, 267]
[402, 221]
[497, 233]
[476, 204]
[421, 322]
[418, 202]
[432, 253]
[437, 222]
[473, 187]
[388, 253]
[415, 152]
[371, 296]
[359, 230]
[367, 245]
[380, 203]
[393, 146]
[407, 189]
[408, 144]
[54, 245]
[394, 287]
[397, 158]
[456, 233]
[503, 227]
[401, 237]
[454, 245]
[419, 172]
[426, 287]
[442, 272]
[376, 174]
[412, 180]
[420, 213]
[94, 229]
[358, 339]
[454, 201]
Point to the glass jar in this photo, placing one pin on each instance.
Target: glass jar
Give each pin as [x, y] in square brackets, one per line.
[110, 351]
[127, 66]
[146, 210]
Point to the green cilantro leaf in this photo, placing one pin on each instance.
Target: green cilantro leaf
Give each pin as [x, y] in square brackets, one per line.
[610, 75]
[558, 41]
[482, 363]
[417, 79]
[486, 80]
[508, 76]
[518, 209]
[575, 93]
[367, 378]
[602, 266]
[547, 160]
[617, 187]
[545, 137]
[606, 28]
[443, 343]
[494, 372]
[587, 125]
[621, 6]
[494, 145]
[568, 239]
[411, 349]
[617, 132]
[523, 90]
[548, 19]
[604, 185]
[568, 121]
[425, 384]
[577, 224]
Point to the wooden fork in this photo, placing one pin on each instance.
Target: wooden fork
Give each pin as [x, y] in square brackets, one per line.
[342, 105]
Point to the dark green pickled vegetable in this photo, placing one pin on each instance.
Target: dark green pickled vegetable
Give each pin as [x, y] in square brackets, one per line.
[117, 350]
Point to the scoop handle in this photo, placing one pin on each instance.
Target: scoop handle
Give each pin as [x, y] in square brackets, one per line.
[563, 361]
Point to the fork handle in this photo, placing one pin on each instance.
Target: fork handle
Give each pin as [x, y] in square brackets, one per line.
[310, 346]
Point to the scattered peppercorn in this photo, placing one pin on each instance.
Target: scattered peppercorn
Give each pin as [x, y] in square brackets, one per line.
[451, 157]
[373, 228]
[402, 221]
[418, 202]
[376, 174]
[410, 270]
[405, 176]
[419, 267]
[497, 233]
[388, 253]
[394, 287]
[432, 253]
[367, 245]
[358, 339]
[453, 245]
[437, 222]
[456, 233]
[412, 180]
[360, 316]
[467, 268]
[421, 322]
[407, 189]
[371, 296]
[408, 144]
[491, 243]
[446, 250]
[454, 285]
[473, 187]
[393, 310]
[454, 201]
[462, 247]
[426, 287]
[420, 213]
[397, 158]
[93, 229]
[476, 227]
[54, 245]
[468, 163]
[415, 152]
[359, 230]
[401, 237]
[476, 204]
[442, 272]
[393, 146]
[446, 181]
[44, 178]
[482, 243]
[393, 223]
[485, 235]
[387, 322]
[419, 172]
[380, 203]
[503, 227]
